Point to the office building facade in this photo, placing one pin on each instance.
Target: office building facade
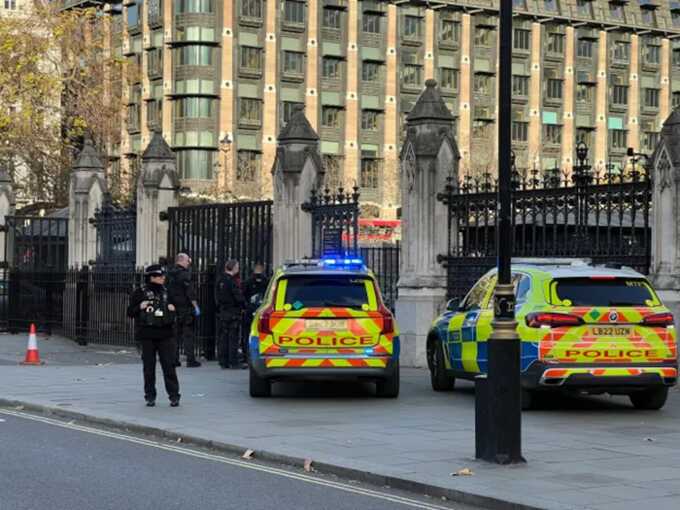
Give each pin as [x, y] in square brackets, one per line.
[220, 78]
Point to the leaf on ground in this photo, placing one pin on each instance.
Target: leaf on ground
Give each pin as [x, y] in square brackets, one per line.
[248, 454]
[19, 408]
[308, 465]
[463, 472]
[179, 439]
[650, 439]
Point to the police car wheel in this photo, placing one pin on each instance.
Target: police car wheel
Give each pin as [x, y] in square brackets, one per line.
[259, 386]
[389, 387]
[440, 380]
[651, 399]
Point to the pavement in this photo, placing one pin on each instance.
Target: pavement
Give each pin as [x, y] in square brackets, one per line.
[591, 452]
[123, 471]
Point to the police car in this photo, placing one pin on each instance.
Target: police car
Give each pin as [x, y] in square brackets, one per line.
[591, 329]
[324, 319]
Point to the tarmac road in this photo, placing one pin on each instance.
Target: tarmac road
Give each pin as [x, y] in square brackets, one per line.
[47, 463]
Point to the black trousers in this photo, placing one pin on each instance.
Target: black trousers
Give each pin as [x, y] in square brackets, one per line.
[184, 334]
[165, 349]
[230, 338]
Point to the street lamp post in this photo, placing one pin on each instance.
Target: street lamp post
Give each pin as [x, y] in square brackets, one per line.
[225, 148]
[500, 415]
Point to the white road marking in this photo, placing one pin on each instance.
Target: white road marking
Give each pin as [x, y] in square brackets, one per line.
[412, 503]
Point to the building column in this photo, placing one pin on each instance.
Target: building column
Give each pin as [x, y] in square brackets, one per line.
[167, 70]
[568, 131]
[430, 34]
[429, 157]
[297, 171]
[633, 136]
[665, 263]
[465, 98]
[86, 194]
[312, 93]
[7, 205]
[665, 94]
[157, 190]
[146, 86]
[270, 103]
[535, 96]
[352, 159]
[227, 160]
[601, 92]
[391, 130]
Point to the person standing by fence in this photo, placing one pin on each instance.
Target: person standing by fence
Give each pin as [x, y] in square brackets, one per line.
[253, 292]
[182, 292]
[230, 302]
[154, 312]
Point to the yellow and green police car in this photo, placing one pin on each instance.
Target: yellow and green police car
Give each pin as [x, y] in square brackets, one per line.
[590, 329]
[324, 319]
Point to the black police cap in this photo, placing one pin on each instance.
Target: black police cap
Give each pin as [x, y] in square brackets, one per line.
[154, 270]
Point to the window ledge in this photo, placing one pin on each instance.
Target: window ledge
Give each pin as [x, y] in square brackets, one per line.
[249, 124]
[249, 73]
[293, 77]
[293, 27]
[250, 22]
[411, 42]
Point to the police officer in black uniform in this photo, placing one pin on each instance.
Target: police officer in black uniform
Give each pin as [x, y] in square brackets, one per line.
[155, 315]
[183, 295]
[253, 291]
[230, 302]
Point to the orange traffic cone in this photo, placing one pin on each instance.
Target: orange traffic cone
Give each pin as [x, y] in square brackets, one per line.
[32, 354]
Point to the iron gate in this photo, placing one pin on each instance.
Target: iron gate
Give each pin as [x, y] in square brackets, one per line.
[116, 235]
[335, 221]
[37, 242]
[603, 217]
[212, 234]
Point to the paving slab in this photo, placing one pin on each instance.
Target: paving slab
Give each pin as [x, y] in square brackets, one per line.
[595, 452]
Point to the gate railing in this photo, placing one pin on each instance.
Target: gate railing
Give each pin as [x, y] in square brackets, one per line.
[604, 217]
[335, 221]
[214, 233]
[116, 234]
[36, 242]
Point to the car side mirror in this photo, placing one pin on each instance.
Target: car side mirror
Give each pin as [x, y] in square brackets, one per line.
[453, 305]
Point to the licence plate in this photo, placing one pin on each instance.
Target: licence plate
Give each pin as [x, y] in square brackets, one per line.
[618, 331]
[326, 324]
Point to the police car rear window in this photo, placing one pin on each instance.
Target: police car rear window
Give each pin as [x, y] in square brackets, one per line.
[326, 291]
[602, 291]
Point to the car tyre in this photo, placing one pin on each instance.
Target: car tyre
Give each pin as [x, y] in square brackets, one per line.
[259, 386]
[441, 381]
[651, 399]
[389, 387]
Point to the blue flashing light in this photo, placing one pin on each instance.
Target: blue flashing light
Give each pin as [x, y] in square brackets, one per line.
[348, 263]
[368, 351]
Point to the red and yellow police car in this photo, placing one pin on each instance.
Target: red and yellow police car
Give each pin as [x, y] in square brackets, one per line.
[324, 319]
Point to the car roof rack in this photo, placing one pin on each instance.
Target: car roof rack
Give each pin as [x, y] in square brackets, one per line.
[552, 261]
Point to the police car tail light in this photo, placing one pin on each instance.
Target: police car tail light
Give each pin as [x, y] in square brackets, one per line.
[553, 320]
[659, 319]
[264, 324]
[388, 321]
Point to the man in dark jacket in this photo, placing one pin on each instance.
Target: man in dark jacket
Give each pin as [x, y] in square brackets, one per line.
[154, 314]
[253, 292]
[183, 295]
[230, 303]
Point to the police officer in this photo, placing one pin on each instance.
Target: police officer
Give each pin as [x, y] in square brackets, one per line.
[230, 302]
[182, 293]
[253, 292]
[155, 312]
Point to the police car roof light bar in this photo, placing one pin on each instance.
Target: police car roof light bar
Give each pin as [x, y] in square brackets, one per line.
[552, 261]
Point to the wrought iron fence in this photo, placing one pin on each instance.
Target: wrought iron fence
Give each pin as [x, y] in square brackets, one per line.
[601, 216]
[335, 221]
[214, 233]
[37, 242]
[116, 234]
[384, 262]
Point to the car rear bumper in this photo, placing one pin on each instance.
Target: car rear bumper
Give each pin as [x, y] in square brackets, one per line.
[630, 376]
